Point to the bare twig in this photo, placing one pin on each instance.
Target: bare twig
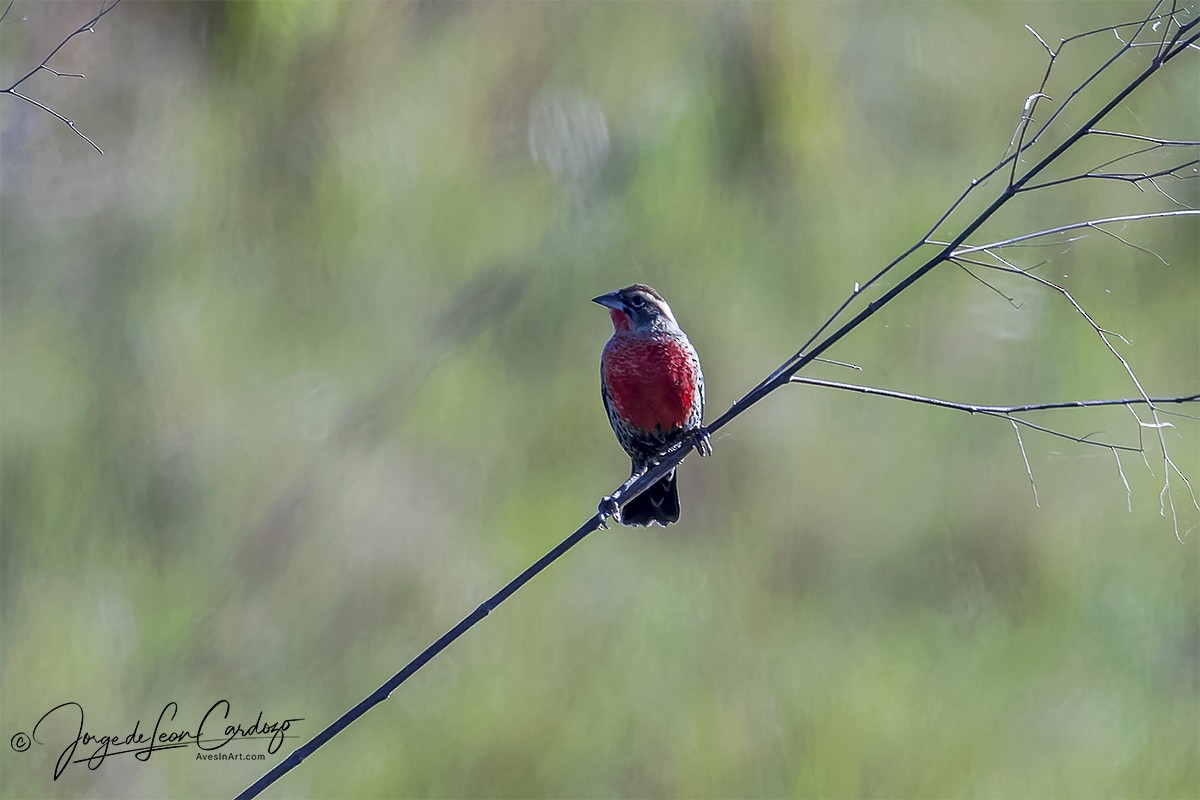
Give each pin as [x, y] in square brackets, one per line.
[1124, 480]
[1140, 138]
[1094, 224]
[1010, 412]
[1128, 177]
[87, 27]
[972, 408]
[1024, 457]
[1155, 423]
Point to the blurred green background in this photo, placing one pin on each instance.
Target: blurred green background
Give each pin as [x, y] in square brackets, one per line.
[303, 368]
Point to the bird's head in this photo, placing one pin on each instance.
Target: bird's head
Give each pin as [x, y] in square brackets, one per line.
[638, 309]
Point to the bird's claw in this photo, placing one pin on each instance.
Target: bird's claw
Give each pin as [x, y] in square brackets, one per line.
[703, 441]
[609, 508]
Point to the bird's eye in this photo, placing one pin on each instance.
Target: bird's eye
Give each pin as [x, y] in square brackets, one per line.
[636, 301]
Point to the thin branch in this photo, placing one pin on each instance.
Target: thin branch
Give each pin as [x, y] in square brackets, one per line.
[1154, 16]
[1074, 226]
[1012, 301]
[87, 27]
[1140, 138]
[1128, 243]
[1007, 412]
[972, 408]
[1138, 152]
[1128, 177]
[1040, 39]
[1024, 457]
[69, 123]
[55, 72]
[1161, 191]
[1124, 480]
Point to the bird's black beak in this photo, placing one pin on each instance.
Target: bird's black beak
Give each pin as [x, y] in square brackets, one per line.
[611, 300]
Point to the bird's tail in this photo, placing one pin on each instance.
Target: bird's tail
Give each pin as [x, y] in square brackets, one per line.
[658, 505]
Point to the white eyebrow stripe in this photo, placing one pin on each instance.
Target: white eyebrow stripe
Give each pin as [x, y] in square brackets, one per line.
[665, 309]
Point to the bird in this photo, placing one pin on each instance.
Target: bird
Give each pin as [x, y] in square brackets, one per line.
[653, 392]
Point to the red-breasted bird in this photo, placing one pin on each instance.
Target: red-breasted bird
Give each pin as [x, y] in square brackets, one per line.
[653, 391]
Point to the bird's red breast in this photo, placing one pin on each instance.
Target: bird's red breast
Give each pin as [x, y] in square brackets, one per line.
[651, 381]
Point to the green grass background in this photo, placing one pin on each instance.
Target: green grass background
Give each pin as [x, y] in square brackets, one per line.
[303, 368]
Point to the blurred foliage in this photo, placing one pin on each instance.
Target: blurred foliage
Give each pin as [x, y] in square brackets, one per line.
[303, 368]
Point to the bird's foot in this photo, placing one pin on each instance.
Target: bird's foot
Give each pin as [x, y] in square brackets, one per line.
[703, 441]
[609, 508]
